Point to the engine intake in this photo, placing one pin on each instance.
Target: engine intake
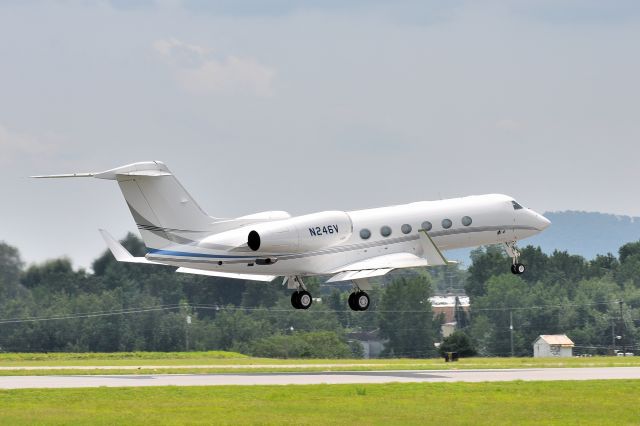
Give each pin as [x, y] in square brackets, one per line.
[254, 241]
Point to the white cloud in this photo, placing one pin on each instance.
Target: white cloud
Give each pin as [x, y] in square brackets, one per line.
[14, 145]
[508, 124]
[234, 74]
[175, 49]
[199, 71]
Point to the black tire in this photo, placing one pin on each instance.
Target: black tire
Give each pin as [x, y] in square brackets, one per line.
[304, 300]
[352, 302]
[362, 301]
[513, 269]
[295, 302]
[520, 268]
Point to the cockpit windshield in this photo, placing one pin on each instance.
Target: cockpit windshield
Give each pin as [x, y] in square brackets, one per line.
[516, 206]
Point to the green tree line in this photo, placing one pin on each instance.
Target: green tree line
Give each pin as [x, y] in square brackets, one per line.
[51, 306]
[596, 303]
[131, 307]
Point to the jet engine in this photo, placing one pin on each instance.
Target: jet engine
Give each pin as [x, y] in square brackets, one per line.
[301, 234]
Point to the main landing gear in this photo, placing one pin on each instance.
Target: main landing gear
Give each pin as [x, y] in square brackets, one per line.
[359, 301]
[301, 298]
[517, 268]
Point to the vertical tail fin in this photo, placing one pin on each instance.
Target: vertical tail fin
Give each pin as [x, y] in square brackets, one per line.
[163, 210]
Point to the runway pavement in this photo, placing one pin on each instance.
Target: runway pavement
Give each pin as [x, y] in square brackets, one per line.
[355, 377]
[180, 366]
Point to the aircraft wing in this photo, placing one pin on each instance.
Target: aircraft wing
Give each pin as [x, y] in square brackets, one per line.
[380, 265]
[249, 277]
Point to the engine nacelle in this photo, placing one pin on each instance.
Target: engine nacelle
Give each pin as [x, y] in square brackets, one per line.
[301, 234]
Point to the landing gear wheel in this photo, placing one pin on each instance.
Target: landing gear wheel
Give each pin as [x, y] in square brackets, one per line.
[362, 300]
[295, 302]
[517, 268]
[304, 300]
[359, 301]
[352, 302]
[301, 299]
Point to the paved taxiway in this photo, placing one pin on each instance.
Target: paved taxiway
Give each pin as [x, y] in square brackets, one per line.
[355, 377]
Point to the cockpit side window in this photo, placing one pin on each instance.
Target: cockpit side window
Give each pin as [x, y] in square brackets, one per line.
[516, 206]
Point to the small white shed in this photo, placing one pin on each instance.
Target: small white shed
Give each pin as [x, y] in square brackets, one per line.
[553, 345]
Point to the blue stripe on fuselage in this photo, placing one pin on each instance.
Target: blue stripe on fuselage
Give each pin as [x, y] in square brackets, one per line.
[186, 254]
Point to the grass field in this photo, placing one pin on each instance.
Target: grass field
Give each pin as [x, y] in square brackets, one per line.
[217, 362]
[588, 402]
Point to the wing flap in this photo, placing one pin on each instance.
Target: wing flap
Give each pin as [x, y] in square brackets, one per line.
[358, 275]
[249, 277]
[376, 266]
[392, 261]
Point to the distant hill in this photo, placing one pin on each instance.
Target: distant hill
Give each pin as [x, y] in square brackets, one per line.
[585, 233]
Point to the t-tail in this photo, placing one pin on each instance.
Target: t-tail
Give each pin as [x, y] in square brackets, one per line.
[163, 210]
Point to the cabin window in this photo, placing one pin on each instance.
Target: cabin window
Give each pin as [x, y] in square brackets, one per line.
[385, 231]
[466, 221]
[406, 228]
[446, 223]
[516, 206]
[426, 225]
[365, 234]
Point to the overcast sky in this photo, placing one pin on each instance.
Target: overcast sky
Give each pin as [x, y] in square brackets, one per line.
[306, 106]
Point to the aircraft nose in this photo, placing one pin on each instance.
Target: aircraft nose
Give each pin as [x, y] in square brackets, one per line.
[542, 222]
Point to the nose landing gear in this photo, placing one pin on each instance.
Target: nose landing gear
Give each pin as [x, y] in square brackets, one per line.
[517, 268]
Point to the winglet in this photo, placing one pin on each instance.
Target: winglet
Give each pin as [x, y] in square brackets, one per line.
[430, 251]
[119, 252]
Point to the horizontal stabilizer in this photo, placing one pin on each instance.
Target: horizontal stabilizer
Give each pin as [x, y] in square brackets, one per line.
[120, 253]
[68, 175]
[145, 168]
[248, 277]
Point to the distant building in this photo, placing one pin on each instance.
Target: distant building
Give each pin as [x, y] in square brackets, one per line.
[553, 345]
[447, 329]
[447, 306]
[372, 344]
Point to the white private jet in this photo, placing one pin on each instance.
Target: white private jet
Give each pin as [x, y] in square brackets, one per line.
[349, 246]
